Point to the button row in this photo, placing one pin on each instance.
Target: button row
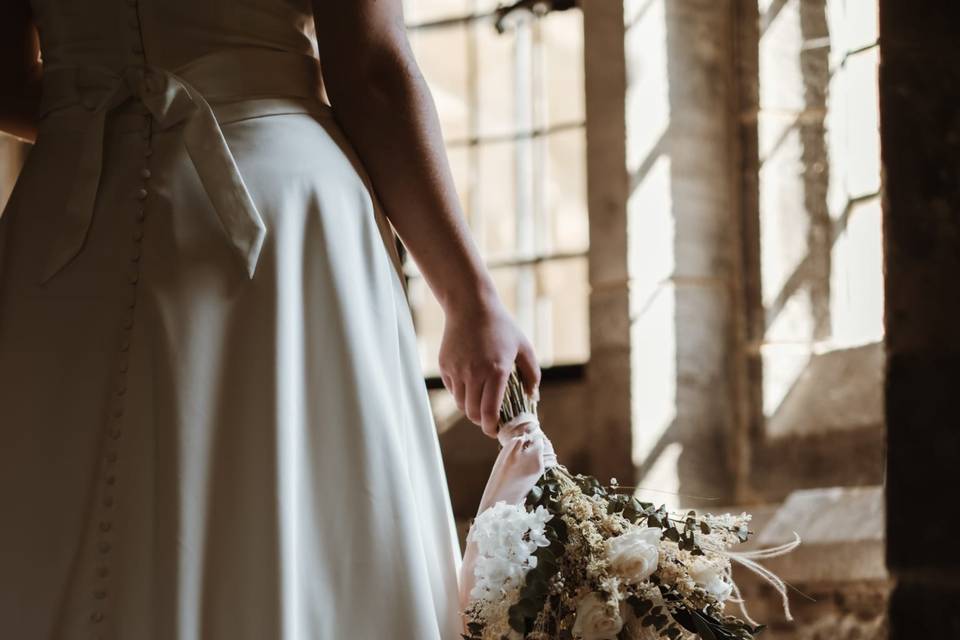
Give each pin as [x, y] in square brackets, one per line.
[105, 527]
[136, 34]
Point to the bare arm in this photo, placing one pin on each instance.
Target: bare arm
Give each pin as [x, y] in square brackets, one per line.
[20, 71]
[383, 104]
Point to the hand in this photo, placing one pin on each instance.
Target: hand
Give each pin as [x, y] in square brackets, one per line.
[479, 348]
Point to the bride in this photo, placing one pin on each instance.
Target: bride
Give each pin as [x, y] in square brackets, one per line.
[212, 416]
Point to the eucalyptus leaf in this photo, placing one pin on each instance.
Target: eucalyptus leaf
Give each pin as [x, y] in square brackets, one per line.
[639, 605]
[517, 622]
[535, 494]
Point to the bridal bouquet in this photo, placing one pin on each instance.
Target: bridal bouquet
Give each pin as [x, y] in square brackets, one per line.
[557, 555]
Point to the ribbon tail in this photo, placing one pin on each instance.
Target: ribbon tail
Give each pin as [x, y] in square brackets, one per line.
[223, 183]
[78, 215]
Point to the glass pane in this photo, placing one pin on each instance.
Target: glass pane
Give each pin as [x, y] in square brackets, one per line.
[428, 315]
[561, 36]
[420, 11]
[442, 56]
[505, 280]
[494, 225]
[495, 80]
[565, 193]
[485, 7]
[561, 329]
[549, 300]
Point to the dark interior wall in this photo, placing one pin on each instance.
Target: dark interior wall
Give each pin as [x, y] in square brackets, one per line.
[920, 129]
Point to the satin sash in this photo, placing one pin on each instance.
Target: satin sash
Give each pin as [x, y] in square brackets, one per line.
[173, 97]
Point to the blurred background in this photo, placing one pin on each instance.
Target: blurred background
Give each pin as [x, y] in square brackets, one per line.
[681, 201]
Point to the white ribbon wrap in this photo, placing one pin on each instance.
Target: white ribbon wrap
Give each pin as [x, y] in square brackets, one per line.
[525, 454]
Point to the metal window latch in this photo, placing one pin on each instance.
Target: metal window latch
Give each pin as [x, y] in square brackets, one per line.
[536, 7]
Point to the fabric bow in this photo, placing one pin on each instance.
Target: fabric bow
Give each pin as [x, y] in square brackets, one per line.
[170, 100]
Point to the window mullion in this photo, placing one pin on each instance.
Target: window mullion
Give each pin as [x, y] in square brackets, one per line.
[523, 149]
[474, 183]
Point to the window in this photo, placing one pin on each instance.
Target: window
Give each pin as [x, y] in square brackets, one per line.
[509, 91]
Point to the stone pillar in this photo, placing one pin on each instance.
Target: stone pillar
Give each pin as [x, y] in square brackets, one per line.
[920, 134]
[608, 374]
[702, 279]
[664, 230]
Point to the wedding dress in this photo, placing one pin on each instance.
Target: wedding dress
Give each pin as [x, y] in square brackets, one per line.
[213, 423]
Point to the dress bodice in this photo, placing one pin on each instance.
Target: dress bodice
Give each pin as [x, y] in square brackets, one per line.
[173, 61]
[166, 33]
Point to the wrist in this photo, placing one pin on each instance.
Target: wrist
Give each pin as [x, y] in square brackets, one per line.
[470, 295]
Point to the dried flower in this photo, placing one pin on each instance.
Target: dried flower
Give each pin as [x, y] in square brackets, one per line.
[634, 555]
[506, 537]
[597, 619]
[711, 576]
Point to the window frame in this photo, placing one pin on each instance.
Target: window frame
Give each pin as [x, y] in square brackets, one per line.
[529, 136]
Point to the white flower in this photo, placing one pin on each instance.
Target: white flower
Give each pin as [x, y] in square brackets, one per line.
[635, 554]
[710, 576]
[506, 536]
[597, 619]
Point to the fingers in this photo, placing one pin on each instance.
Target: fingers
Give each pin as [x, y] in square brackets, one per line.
[480, 396]
[474, 398]
[463, 394]
[447, 382]
[456, 389]
[493, 390]
[529, 369]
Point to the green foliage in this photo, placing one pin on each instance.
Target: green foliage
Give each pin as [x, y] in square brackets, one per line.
[658, 517]
[630, 508]
[670, 615]
[535, 590]
[640, 606]
[590, 486]
[474, 631]
[713, 626]
[687, 539]
[657, 618]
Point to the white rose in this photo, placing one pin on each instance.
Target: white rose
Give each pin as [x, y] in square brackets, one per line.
[635, 554]
[597, 619]
[710, 576]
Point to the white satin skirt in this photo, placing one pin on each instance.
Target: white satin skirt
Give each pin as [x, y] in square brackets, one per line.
[187, 453]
